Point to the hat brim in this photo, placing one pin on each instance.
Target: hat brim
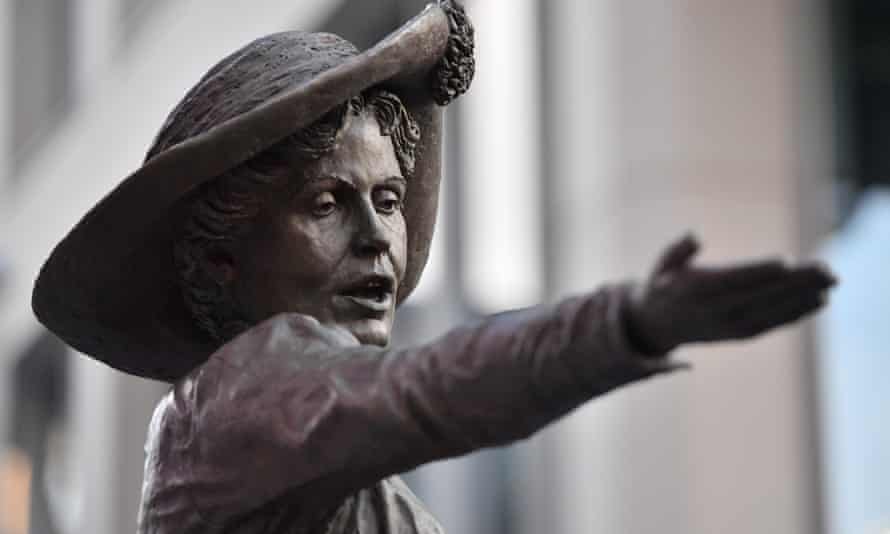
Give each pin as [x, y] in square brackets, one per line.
[109, 288]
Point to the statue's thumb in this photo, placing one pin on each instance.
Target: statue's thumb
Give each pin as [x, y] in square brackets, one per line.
[678, 254]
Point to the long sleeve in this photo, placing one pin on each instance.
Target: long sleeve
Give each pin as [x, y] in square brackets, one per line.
[295, 408]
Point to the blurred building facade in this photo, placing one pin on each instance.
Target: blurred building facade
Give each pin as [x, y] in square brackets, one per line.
[596, 132]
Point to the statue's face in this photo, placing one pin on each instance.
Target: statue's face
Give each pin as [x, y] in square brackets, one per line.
[334, 246]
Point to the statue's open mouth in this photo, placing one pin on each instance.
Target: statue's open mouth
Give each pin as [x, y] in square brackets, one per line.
[374, 292]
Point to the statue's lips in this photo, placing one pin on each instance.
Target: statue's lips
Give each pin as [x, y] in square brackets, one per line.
[379, 307]
[372, 293]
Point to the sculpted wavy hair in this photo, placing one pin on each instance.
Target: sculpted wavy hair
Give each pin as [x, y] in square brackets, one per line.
[222, 209]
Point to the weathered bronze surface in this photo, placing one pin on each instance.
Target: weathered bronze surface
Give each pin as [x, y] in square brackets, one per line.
[256, 261]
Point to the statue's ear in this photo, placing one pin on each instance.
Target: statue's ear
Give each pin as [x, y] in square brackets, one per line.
[219, 263]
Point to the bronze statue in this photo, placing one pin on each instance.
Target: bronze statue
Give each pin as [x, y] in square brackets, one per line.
[256, 259]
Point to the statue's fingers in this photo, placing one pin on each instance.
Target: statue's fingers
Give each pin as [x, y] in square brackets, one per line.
[678, 254]
[780, 314]
[716, 281]
[802, 286]
[815, 273]
[821, 270]
[765, 281]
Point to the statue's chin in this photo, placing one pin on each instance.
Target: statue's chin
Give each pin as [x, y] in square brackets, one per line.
[370, 331]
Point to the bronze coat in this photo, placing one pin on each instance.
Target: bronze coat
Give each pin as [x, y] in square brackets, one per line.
[293, 427]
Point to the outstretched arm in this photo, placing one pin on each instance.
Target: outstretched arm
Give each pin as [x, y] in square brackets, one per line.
[295, 408]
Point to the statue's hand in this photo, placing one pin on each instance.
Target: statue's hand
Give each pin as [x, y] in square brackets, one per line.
[681, 303]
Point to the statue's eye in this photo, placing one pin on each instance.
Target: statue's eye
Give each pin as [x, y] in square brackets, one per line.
[324, 204]
[387, 201]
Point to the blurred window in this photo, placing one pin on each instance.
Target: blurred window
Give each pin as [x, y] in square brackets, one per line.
[41, 76]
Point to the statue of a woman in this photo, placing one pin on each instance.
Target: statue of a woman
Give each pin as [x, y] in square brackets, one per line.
[255, 262]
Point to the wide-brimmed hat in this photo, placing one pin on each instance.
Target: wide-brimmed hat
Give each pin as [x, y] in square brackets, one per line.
[110, 287]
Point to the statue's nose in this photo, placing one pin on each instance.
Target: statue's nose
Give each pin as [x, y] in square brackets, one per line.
[372, 238]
